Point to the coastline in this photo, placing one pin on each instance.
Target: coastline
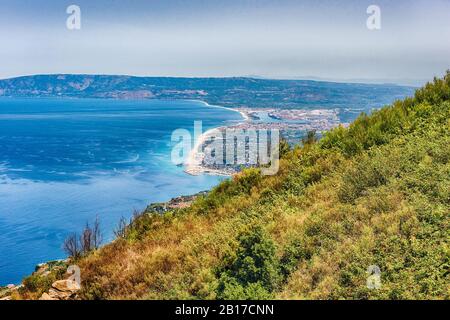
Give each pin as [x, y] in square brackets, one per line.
[193, 164]
[242, 113]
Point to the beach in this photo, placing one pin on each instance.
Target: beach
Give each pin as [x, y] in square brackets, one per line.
[193, 163]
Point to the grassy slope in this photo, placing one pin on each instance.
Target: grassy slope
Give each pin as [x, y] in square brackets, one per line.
[377, 193]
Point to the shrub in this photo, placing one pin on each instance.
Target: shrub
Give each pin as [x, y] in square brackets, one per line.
[294, 253]
[253, 269]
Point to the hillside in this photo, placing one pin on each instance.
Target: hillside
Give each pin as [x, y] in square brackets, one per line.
[232, 92]
[376, 193]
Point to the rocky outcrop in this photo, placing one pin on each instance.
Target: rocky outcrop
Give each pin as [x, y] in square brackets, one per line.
[62, 290]
[66, 285]
[6, 292]
[175, 203]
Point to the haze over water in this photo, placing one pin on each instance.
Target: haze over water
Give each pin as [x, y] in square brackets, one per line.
[62, 162]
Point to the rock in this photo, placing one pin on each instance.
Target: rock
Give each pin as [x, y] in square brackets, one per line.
[61, 290]
[175, 203]
[59, 295]
[66, 286]
[10, 286]
[47, 297]
[40, 268]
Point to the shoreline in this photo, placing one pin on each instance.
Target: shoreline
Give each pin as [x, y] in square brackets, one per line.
[242, 113]
[192, 164]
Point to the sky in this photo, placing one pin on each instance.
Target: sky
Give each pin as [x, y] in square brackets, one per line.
[291, 39]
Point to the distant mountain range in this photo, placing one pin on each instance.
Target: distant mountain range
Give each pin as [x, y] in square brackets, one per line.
[232, 92]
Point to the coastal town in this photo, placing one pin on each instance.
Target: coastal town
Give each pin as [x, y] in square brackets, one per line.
[291, 124]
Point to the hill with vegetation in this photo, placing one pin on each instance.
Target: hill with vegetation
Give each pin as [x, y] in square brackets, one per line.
[374, 194]
[230, 92]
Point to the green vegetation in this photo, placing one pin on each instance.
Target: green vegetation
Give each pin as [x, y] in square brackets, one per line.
[41, 280]
[376, 193]
[251, 271]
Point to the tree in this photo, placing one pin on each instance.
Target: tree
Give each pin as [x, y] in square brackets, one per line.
[91, 237]
[71, 246]
[97, 237]
[121, 230]
[89, 240]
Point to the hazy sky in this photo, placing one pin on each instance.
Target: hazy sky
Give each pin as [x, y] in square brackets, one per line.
[281, 39]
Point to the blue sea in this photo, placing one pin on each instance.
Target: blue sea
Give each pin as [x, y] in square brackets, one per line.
[65, 161]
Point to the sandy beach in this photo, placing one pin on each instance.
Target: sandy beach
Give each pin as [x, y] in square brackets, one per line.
[193, 163]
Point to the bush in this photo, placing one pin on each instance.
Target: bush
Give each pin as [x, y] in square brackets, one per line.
[254, 269]
[294, 253]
